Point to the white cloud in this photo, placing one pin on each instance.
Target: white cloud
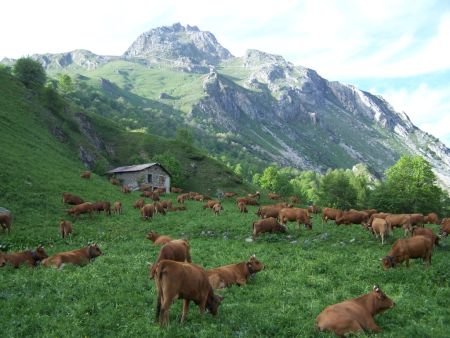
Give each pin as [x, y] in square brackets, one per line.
[428, 108]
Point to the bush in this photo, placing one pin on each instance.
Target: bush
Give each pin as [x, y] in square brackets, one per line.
[30, 73]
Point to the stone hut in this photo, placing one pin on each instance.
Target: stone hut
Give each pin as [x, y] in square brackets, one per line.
[153, 174]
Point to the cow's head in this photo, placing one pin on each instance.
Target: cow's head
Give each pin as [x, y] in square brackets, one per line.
[40, 253]
[388, 262]
[281, 227]
[152, 235]
[382, 302]
[94, 250]
[254, 265]
[213, 303]
[2, 260]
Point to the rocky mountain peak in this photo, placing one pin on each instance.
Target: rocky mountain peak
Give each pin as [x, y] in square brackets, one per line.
[180, 46]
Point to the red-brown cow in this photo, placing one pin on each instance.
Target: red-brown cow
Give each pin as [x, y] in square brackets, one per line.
[175, 250]
[427, 232]
[166, 204]
[431, 218]
[84, 208]
[117, 207]
[100, 206]
[158, 239]
[65, 228]
[6, 221]
[271, 210]
[31, 258]
[417, 219]
[181, 198]
[68, 198]
[242, 208]
[159, 208]
[224, 276]
[267, 225]
[379, 227]
[353, 217]
[209, 204]
[355, 315]
[147, 211]
[139, 203]
[77, 257]
[330, 214]
[406, 248]
[126, 189]
[246, 201]
[381, 215]
[185, 281]
[301, 216]
[399, 220]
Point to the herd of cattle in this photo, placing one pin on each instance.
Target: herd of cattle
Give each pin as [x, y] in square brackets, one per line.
[176, 277]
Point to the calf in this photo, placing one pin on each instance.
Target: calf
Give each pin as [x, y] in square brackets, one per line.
[355, 315]
[224, 276]
[86, 174]
[330, 213]
[158, 239]
[431, 218]
[185, 281]
[139, 203]
[175, 250]
[84, 208]
[406, 248]
[242, 208]
[217, 208]
[427, 232]
[295, 214]
[117, 207]
[147, 211]
[6, 221]
[267, 225]
[77, 257]
[65, 228]
[31, 258]
[379, 227]
[68, 198]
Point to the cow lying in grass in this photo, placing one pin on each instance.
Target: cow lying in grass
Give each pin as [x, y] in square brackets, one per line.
[267, 225]
[84, 208]
[186, 281]
[29, 257]
[224, 276]
[77, 257]
[355, 315]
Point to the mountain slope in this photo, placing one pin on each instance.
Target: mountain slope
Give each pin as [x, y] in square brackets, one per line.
[255, 110]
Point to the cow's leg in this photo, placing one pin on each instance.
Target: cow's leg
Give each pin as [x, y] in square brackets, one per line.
[372, 326]
[185, 310]
[347, 326]
[241, 281]
[164, 311]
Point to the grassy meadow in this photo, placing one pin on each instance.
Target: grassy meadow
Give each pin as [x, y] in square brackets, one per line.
[304, 272]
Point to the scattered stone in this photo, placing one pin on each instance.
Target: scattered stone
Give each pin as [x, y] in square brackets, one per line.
[249, 240]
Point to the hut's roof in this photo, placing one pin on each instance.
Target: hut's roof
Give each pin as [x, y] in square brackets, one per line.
[138, 167]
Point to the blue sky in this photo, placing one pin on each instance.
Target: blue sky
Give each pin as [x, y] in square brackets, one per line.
[398, 48]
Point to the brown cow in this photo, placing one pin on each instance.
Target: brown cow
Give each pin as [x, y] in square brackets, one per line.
[102, 206]
[379, 227]
[246, 201]
[65, 228]
[417, 219]
[295, 214]
[181, 198]
[273, 196]
[175, 250]
[242, 208]
[68, 198]
[147, 193]
[255, 195]
[352, 217]
[399, 220]
[86, 174]
[330, 213]
[185, 281]
[382, 215]
[126, 189]
[267, 225]
[114, 181]
[406, 248]
[77, 257]
[6, 221]
[431, 218]
[270, 210]
[147, 211]
[217, 208]
[117, 207]
[31, 258]
[158, 239]
[355, 315]
[427, 232]
[370, 211]
[84, 208]
[139, 203]
[224, 276]
[176, 190]
[199, 198]
[230, 194]
[445, 227]
[159, 208]
[155, 196]
[160, 191]
[166, 204]
[209, 204]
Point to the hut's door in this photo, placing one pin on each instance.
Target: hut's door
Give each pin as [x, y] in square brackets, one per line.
[162, 180]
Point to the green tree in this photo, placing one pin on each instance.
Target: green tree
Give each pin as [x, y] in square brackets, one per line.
[172, 165]
[276, 180]
[306, 185]
[30, 73]
[336, 191]
[65, 83]
[410, 186]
